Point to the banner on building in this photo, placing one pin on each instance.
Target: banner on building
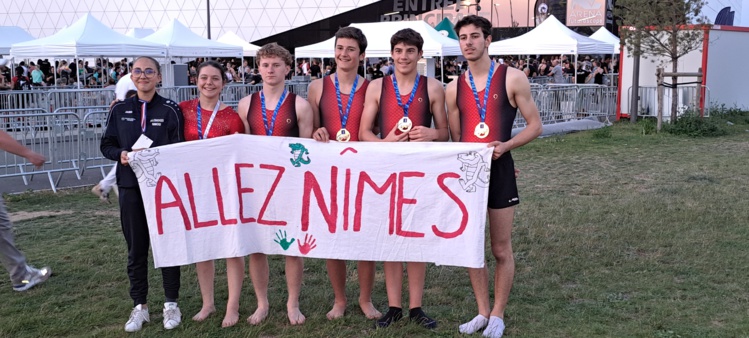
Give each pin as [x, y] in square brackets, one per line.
[586, 12]
[236, 195]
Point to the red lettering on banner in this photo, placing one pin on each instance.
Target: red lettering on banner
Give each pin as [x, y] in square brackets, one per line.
[260, 219]
[389, 184]
[161, 206]
[346, 199]
[401, 201]
[461, 206]
[220, 200]
[193, 207]
[242, 190]
[311, 185]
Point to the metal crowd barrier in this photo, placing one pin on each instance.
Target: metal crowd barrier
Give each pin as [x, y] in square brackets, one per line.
[79, 98]
[686, 97]
[565, 102]
[52, 135]
[93, 125]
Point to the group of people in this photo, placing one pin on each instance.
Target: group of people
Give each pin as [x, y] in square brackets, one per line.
[42, 73]
[342, 107]
[560, 69]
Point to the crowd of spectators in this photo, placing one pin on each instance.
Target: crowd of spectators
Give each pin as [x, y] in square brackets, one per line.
[555, 69]
[65, 74]
[61, 74]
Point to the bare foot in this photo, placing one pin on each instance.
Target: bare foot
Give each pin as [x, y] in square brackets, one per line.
[295, 316]
[337, 312]
[203, 314]
[369, 310]
[257, 317]
[230, 319]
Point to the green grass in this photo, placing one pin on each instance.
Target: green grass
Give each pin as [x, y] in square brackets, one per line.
[619, 234]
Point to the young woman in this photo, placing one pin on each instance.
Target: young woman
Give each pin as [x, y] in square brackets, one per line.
[208, 117]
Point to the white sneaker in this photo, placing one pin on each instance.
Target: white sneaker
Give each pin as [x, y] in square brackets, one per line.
[172, 315]
[33, 277]
[137, 318]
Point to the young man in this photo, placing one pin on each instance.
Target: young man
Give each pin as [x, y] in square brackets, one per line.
[22, 275]
[145, 115]
[286, 115]
[499, 91]
[402, 118]
[337, 102]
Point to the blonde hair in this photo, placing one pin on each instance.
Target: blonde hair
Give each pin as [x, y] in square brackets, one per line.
[275, 50]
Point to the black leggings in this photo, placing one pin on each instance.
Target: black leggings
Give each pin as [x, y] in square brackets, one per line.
[135, 229]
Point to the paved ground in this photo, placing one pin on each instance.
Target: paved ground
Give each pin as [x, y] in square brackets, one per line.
[41, 182]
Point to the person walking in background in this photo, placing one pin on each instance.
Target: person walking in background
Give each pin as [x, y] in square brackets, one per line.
[22, 275]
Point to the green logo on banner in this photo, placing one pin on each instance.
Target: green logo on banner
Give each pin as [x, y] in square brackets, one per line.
[301, 154]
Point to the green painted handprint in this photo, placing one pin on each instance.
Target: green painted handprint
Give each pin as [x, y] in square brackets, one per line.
[282, 240]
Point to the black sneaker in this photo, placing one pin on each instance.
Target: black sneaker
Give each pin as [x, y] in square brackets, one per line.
[393, 315]
[421, 318]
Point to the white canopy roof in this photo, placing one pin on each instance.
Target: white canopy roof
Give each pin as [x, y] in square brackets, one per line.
[232, 38]
[550, 37]
[139, 33]
[378, 40]
[181, 41]
[602, 34]
[11, 35]
[86, 37]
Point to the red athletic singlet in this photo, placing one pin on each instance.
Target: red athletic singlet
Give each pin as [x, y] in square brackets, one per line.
[390, 113]
[286, 124]
[226, 122]
[500, 114]
[330, 117]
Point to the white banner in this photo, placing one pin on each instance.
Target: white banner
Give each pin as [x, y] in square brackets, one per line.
[235, 195]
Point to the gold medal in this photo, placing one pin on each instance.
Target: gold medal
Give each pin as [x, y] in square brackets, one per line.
[481, 130]
[405, 124]
[343, 136]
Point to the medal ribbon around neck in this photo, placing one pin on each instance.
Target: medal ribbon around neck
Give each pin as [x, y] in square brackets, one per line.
[269, 129]
[398, 94]
[210, 121]
[143, 116]
[482, 108]
[344, 113]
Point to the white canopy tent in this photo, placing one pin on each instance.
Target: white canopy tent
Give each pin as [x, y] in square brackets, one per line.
[378, 41]
[232, 38]
[139, 33]
[87, 37]
[11, 35]
[550, 37]
[602, 34]
[183, 42]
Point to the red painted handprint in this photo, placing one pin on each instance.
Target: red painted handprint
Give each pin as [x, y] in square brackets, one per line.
[309, 244]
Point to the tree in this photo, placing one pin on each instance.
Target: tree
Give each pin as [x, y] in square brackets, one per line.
[666, 29]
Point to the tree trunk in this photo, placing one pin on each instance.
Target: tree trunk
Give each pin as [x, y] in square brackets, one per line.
[634, 105]
[674, 92]
[674, 69]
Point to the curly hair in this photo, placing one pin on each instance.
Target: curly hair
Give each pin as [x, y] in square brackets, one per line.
[275, 50]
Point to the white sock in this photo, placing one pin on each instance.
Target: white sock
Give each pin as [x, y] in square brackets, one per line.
[496, 327]
[477, 323]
